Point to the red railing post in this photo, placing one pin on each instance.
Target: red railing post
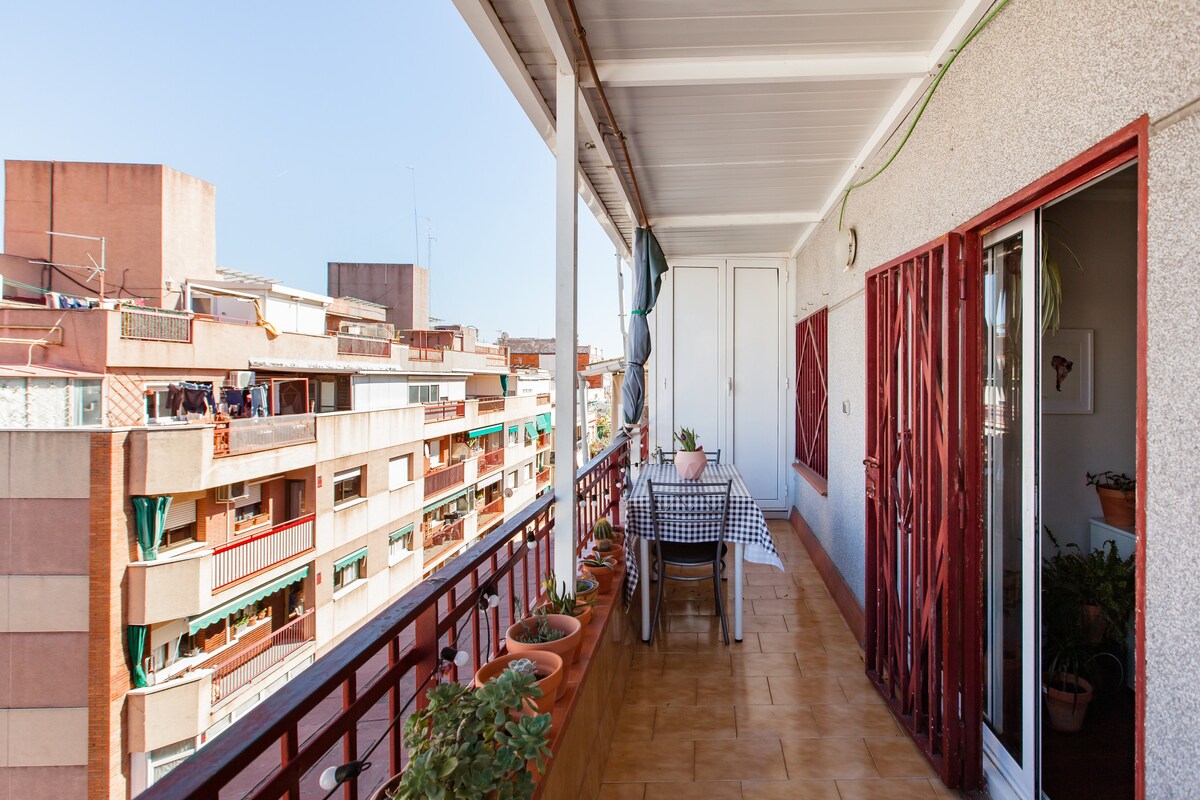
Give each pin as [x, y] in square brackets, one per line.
[426, 645]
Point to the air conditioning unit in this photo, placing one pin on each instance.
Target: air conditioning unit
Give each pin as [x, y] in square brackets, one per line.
[241, 378]
[233, 491]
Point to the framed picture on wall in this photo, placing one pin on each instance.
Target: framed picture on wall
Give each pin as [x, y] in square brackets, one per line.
[1067, 372]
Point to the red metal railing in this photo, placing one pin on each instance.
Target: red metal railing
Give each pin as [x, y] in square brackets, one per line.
[154, 324]
[494, 507]
[349, 344]
[422, 349]
[245, 557]
[450, 532]
[644, 455]
[233, 670]
[442, 479]
[543, 441]
[490, 405]
[344, 701]
[491, 461]
[543, 477]
[812, 396]
[436, 412]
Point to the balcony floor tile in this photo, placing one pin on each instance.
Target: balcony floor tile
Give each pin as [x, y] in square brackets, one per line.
[788, 713]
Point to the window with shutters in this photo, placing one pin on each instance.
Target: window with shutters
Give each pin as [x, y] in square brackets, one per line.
[812, 398]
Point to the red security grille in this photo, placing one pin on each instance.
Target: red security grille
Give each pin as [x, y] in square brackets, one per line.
[812, 392]
[922, 637]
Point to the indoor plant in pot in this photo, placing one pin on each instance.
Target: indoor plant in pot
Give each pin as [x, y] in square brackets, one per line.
[690, 460]
[472, 742]
[541, 630]
[601, 568]
[1118, 496]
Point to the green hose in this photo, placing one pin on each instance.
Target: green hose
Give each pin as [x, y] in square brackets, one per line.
[928, 96]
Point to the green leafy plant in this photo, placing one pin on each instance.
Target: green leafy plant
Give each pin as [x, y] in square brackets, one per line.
[1052, 288]
[598, 561]
[524, 666]
[472, 743]
[536, 629]
[558, 601]
[1108, 479]
[687, 440]
[1072, 581]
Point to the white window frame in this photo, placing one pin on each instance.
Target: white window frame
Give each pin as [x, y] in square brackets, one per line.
[360, 575]
[344, 475]
[403, 463]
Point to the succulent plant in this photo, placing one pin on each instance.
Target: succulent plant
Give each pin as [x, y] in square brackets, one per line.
[536, 629]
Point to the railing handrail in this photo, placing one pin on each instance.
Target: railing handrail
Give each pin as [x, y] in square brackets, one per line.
[280, 528]
[263, 727]
[235, 653]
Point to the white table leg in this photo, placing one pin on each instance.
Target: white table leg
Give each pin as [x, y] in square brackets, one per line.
[739, 554]
[644, 588]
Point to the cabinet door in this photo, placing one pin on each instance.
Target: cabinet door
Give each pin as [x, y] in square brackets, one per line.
[696, 380]
[755, 384]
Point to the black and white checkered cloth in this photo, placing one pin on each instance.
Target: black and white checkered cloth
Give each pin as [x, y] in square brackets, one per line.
[746, 523]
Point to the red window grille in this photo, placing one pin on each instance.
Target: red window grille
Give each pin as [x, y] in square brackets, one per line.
[812, 393]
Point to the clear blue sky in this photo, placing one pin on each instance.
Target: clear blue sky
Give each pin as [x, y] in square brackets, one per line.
[305, 116]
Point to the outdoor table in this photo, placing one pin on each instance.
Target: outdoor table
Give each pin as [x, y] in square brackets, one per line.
[746, 531]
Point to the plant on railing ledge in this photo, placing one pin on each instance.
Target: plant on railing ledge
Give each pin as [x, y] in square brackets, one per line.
[559, 602]
[474, 743]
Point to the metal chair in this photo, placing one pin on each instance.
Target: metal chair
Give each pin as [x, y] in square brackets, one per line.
[713, 457]
[699, 506]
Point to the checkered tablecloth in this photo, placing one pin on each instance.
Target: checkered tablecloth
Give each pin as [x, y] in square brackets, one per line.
[746, 523]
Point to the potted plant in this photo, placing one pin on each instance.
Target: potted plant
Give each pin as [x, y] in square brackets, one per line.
[586, 590]
[571, 605]
[1118, 496]
[690, 460]
[601, 568]
[541, 630]
[547, 669]
[467, 743]
[603, 529]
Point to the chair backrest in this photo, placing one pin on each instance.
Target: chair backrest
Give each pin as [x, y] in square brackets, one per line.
[711, 456]
[699, 507]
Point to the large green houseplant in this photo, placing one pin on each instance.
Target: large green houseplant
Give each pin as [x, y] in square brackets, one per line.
[475, 743]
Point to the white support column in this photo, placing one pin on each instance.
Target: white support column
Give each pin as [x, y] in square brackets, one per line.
[566, 204]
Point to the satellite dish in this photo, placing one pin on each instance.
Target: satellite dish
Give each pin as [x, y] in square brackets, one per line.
[508, 492]
[845, 248]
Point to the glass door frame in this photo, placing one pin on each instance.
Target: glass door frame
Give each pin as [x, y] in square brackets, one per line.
[1023, 778]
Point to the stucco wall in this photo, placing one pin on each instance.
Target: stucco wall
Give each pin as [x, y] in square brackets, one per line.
[1046, 80]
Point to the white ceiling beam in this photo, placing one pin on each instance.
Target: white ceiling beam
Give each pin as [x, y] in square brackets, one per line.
[701, 221]
[554, 31]
[967, 16]
[726, 70]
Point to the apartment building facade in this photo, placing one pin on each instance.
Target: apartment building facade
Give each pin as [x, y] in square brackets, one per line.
[209, 477]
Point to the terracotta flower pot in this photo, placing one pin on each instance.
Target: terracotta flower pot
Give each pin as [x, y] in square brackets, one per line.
[565, 647]
[1067, 708]
[386, 788]
[602, 576]
[690, 464]
[550, 665]
[1118, 506]
[615, 551]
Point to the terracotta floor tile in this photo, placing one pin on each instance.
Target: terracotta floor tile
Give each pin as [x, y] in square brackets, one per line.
[772, 578]
[776, 722]
[939, 790]
[645, 762]
[698, 666]
[791, 642]
[859, 690]
[833, 640]
[894, 789]
[824, 663]
[762, 623]
[802, 621]
[794, 689]
[855, 720]
[635, 724]
[791, 592]
[674, 643]
[756, 592]
[828, 759]
[700, 790]
[694, 623]
[714, 644]
[696, 722]
[659, 691]
[738, 690]
[698, 606]
[789, 790]
[739, 760]
[898, 757]
[765, 664]
[792, 605]
[823, 606]
[622, 791]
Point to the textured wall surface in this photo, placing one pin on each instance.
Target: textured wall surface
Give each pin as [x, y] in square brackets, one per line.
[1045, 81]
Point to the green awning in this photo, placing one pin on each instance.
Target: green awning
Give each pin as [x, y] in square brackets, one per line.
[450, 499]
[543, 422]
[514, 429]
[394, 535]
[475, 434]
[531, 430]
[196, 624]
[350, 559]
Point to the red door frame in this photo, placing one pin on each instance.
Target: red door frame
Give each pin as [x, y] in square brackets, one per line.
[1127, 144]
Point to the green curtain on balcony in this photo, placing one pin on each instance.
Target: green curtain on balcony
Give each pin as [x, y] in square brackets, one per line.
[150, 515]
[543, 423]
[649, 264]
[135, 636]
[504, 385]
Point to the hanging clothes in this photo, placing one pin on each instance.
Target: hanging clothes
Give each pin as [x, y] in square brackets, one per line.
[174, 399]
[258, 401]
[234, 399]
